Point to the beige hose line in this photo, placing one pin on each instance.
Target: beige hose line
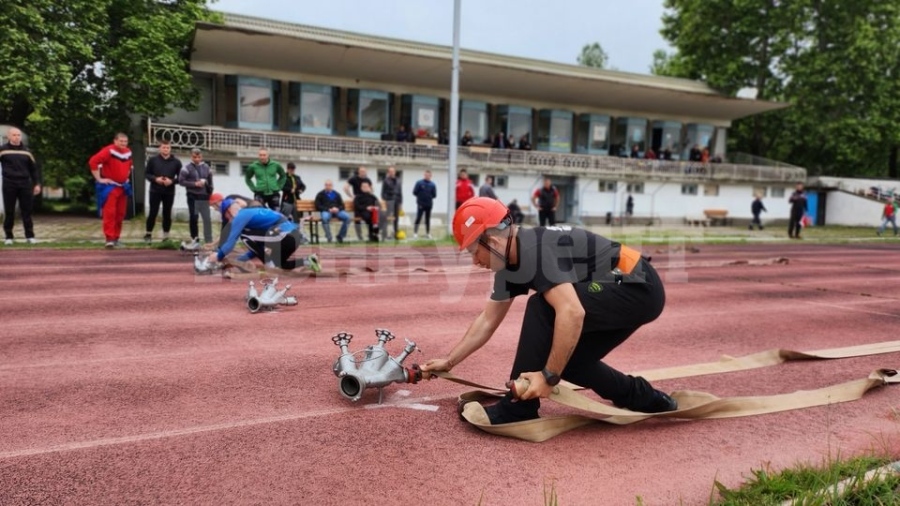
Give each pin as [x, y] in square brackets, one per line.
[691, 404]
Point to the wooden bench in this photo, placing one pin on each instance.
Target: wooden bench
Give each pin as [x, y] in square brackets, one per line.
[696, 221]
[717, 216]
[306, 209]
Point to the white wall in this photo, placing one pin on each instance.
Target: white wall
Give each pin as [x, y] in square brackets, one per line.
[851, 210]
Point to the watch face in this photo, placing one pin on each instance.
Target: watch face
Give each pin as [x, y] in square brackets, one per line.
[551, 377]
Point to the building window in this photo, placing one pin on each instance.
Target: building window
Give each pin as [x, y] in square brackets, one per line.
[688, 189]
[251, 102]
[635, 188]
[311, 108]
[244, 168]
[500, 182]
[345, 173]
[367, 113]
[760, 191]
[514, 120]
[219, 168]
[473, 118]
[608, 187]
[710, 190]
[778, 192]
[555, 131]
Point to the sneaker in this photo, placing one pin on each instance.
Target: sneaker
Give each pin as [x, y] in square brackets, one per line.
[312, 262]
[31, 240]
[340, 240]
[415, 236]
[428, 236]
[117, 243]
[148, 238]
[110, 244]
[8, 242]
[165, 236]
[660, 403]
[270, 264]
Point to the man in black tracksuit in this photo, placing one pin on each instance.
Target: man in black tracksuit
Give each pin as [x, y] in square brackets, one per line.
[162, 173]
[798, 209]
[21, 182]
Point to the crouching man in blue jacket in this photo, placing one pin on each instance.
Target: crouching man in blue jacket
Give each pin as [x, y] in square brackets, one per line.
[268, 235]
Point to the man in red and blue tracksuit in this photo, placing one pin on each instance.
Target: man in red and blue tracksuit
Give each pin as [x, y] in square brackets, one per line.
[111, 167]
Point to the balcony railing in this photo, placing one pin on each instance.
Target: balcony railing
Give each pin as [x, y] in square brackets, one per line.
[357, 151]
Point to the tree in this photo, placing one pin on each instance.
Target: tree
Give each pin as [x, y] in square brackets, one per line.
[837, 63]
[667, 64]
[593, 55]
[80, 69]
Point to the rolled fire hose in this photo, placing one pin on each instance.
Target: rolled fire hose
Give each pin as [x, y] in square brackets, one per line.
[691, 404]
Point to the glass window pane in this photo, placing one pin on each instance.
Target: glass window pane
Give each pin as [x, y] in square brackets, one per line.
[316, 109]
[256, 104]
[424, 119]
[475, 122]
[519, 124]
[374, 114]
[561, 133]
[599, 136]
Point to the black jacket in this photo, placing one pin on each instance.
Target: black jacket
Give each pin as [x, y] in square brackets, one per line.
[158, 166]
[325, 200]
[390, 189]
[293, 187]
[18, 166]
[362, 202]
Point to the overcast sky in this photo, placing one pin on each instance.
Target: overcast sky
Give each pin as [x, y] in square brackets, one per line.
[550, 30]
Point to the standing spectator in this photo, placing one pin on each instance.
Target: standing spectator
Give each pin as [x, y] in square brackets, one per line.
[704, 155]
[695, 155]
[524, 143]
[392, 195]
[888, 215]
[330, 205]
[403, 135]
[487, 189]
[197, 179]
[352, 188]
[366, 207]
[649, 154]
[21, 182]
[500, 141]
[635, 151]
[798, 209]
[425, 192]
[291, 191]
[464, 188]
[467, 139]
[162, 173]
[546, 200]
[269, 178]
[756, 208]
[667, 154]
[629, 206]
[444, 137]
[515, 212]
[111, 168]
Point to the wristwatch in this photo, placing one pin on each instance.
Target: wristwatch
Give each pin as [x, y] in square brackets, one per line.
[550, 377]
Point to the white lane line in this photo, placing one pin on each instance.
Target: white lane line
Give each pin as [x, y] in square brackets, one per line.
[201, 429]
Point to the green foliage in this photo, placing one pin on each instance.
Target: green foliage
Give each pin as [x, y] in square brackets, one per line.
[77, 188]
[837, 63]
[667, 64]
[593, 55]
[82, 67]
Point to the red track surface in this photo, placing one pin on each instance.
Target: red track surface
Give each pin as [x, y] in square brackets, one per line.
[125, 379]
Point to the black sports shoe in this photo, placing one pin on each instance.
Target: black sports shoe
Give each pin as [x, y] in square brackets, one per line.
[659, 403]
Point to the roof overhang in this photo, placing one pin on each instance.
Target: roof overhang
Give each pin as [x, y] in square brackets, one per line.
[252, 43]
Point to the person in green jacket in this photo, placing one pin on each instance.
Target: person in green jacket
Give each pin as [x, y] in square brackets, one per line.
[269, 178]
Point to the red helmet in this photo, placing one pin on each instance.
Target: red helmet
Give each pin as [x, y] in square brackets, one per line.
[474, 217]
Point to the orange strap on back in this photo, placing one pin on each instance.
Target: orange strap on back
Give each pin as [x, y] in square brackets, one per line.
[628, 258]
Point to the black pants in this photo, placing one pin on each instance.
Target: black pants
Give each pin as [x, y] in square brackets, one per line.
[756, 221]
[794, 227]
[25, 197]
[423, 211]
[166, 199]
[546, 217]
[281, 251]
[612, 314]
[272, 200]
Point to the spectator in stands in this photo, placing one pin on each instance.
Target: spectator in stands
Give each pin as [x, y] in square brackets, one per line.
[467, 139]
[667, 153]
[704, 155]
[392, 195]
[511, 141]
[649, 154]
[888, 215]
[525, 142]
[444, 137]
[330, 205]
[402, 135]
[425, 192]
[487, 189]
[290, 193]
[366, 208]
[798, 209]
[516, 212]
[546, 200]
[756, 208]
[635, 151]
[353, 186]
[500, 141]
[464, 188]
[695, 154]
[265, 178]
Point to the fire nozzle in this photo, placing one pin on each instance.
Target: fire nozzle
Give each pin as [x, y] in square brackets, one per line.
[269, 298]
[372, 367]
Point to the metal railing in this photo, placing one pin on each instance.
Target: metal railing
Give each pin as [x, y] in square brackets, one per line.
[360, 151]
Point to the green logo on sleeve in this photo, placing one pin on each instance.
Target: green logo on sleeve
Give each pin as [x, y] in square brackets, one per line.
[595, 287]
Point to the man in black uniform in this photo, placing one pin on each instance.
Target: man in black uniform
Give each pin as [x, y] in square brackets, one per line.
[21, 182]
[162, 173]
[590, 295]
[798, 209]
